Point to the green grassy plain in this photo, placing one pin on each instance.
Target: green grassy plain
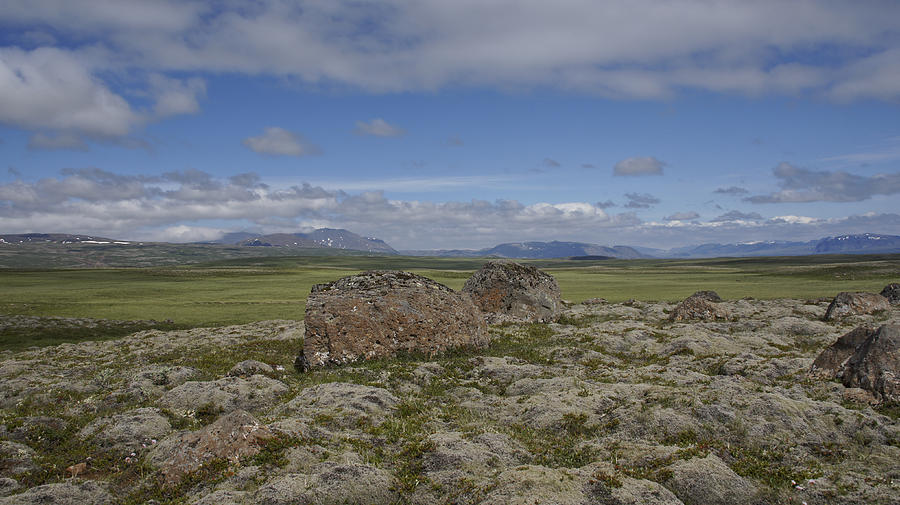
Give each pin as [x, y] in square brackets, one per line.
[236, 291]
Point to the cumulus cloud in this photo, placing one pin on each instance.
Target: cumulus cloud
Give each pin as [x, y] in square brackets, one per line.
[276, 141]
[53, 89]
[731, 190]
[178, 204]
[736, 215]
[682, 216]
[803, 185]
[174, 96]
[639, 165]
[605, 205]
[640, 200]
[378, 128]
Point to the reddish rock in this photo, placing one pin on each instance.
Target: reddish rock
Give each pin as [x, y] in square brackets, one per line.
[508, 291]
[850, 304]
[699, 306]
[232, 437]
[381, 313]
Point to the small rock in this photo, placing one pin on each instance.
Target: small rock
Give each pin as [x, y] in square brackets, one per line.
[381, 313]
[708, 295]
[698, 306]
[226, 394]
[508, 291]
[892, 293]
[232, 437]
[709, 481]
[129, 431]
[250, 367]
[850, 304]
[595, 301]
[8, 486]
[344, 401]
[16, 459]
[334, 484]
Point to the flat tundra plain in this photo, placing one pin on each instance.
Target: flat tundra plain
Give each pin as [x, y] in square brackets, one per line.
[613, 404]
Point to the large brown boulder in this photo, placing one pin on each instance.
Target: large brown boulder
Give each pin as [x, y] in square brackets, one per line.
[850, 304]
[892, 293]
[699, 306]
[830, 362]
[508, 291]
[875, 366]
[381, 313]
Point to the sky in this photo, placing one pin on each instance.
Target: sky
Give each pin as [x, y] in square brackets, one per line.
[464, 124]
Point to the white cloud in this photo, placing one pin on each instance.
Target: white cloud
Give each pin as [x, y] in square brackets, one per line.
[378, 128]
[174, 97]
[639, 165]
[641, 48]
[277, 141]
[193, 205]
[53, 89]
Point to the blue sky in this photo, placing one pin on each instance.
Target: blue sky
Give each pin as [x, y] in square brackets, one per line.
[451, 124]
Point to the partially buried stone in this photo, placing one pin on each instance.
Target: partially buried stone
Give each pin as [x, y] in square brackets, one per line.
[382, 313]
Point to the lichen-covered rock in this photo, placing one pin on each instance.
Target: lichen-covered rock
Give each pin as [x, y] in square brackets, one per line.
[708, 295]
[346, 402]
[709, 481]
[70, 492]
[851, 304]
[153, 381]
[225, 394]
[830, 362]
[232, 437]
[509, 291]
[15, 458]
[381, 313]
[699, 306]
[334, 484]
[129, 431]
[892, 293]
[250, 367]
[875, 366]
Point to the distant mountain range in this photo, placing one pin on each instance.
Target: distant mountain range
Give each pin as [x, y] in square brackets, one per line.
[538, 250]
[329, 238]
[865, 243]
[56, 238]
[321, 238]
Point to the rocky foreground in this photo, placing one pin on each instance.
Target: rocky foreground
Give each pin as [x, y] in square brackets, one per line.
[613, 404]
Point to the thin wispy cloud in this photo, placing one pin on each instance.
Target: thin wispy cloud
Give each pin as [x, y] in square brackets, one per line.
[639, 165]
[801, 185]
[378, 128]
